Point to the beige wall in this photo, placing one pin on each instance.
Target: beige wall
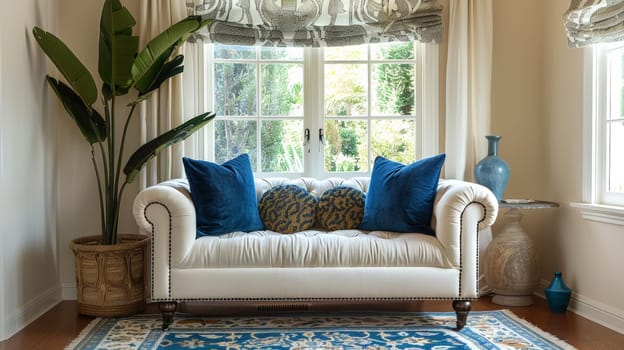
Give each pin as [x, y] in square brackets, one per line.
[517, 105]
[516, 95]
[29, 281]
[589, 253]
[537, 104]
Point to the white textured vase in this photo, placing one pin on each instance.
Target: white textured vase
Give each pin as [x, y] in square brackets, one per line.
[512, 270]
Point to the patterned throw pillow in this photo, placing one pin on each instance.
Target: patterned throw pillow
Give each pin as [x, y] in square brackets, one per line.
[287, 209]
[341, 208]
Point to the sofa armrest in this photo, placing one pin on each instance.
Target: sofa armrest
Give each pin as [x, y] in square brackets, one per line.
[167, 214]
[461, 209]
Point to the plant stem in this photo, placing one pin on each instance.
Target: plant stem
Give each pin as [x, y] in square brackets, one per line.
[113, 189]
[122, 146]
[105, 171]
[110, 185]
[99, 185]
[116, 218]
[103, 222]
[118, 192]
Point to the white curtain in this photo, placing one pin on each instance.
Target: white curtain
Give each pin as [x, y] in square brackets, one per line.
[468, 85]
[169, 106]
[468, 82]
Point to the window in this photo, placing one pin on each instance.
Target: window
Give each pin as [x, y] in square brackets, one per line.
[321, 112]
[257, 95]
[612, 121]
[604, 134]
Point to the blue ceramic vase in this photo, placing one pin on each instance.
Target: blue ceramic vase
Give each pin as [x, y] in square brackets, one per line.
[557, 294]
[492, 172]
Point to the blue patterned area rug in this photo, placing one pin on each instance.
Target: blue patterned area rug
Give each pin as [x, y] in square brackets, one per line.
[422, 330]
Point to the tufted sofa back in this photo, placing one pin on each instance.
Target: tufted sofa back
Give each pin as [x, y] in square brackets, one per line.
[316, 187]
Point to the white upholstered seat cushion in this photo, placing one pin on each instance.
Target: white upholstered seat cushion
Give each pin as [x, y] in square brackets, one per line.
[313, 248]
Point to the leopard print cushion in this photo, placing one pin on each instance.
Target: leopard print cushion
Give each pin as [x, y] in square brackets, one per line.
[287, 209]
[341, 208]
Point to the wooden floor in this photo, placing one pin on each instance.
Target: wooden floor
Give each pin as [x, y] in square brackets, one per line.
[62, 324]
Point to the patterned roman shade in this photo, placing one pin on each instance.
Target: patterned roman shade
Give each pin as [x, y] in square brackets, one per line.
[318, 22]
[594, 21]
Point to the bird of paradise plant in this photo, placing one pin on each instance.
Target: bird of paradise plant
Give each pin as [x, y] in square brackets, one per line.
[122, 69]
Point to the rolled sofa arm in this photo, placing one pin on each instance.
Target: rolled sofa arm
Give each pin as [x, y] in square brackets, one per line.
[460, 210]
[159, 211]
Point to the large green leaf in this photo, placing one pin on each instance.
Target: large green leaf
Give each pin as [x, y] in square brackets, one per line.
[150, 61]
[149, 150]
[89, 121]
[170, 69]
[118, 46]
[68, 64]
[147, 79]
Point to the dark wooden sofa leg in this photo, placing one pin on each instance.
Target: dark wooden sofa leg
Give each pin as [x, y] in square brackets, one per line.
[462, 308]
[167, 308]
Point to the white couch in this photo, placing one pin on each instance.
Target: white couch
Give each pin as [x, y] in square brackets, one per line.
[315, 265]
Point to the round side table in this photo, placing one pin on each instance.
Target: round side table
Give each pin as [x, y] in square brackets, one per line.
[511, 268]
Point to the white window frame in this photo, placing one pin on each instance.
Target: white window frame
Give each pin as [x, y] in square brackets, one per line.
[426, 92]
[598, 203]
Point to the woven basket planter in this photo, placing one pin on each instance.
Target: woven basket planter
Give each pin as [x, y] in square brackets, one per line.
[110, 279]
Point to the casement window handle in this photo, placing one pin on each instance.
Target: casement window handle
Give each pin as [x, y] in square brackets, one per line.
[321, 138]
[306, 140]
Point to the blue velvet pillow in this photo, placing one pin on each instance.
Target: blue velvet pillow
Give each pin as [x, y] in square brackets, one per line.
[400, 197]
[224, 196]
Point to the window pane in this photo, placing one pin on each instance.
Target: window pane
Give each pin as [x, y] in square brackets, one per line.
[393, 51]
[345, 53]
[616, 161]
[346, 146]
[282, 146]
[234, 52]
[394, 139]
[282, 89]
[346, 90]
[616, 84]
[235, 137]
[235, 89]
[393, 89]
[285, 53]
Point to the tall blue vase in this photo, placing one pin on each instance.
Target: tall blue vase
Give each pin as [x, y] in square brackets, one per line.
[492, 172]
[557, 294]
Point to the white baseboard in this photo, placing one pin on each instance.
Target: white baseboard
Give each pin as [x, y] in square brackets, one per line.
[31, 310]
[69, 291]
[592, 310]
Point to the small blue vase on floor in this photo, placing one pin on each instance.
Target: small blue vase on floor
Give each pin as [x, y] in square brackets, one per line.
[557, 294]
[493, 172]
